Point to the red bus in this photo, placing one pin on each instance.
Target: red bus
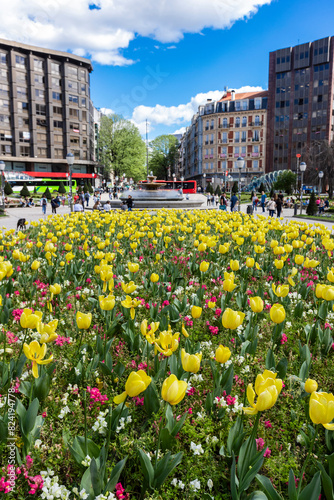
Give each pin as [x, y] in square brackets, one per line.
[187, 186]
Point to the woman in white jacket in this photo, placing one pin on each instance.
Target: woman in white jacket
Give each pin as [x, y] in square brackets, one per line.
[272, 207]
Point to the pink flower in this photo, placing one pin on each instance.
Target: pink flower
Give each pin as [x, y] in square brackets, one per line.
[259, 444]
[284, 338]
[267, 424]
[267, 453]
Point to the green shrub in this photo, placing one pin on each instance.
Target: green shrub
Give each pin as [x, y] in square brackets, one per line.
[8, 189]
[61, 189]
[312, 206]
[47, 194]
[25, 191]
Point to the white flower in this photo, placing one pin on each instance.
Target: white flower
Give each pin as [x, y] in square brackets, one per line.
[181, 485]
[210, 484]
[83, 494]
[86, 462]
[38, 443]
[196, 448]
[195, 485]
[174, 482]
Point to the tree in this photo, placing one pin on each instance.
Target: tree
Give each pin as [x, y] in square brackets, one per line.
[218, 191]
[61, 189]
[123, 150]
[312, 206]
[25, 191]
[286, 182]
[85, 188]
[209, 189]
[272, 192]
[47, 194]
[262, 187]
[163, 156]
[235, 187]
[90, 189]
[8, 189]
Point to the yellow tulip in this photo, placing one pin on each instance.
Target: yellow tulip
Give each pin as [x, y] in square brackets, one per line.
[234, 265]
[29, 319]
[256, 304]
[167, 343]
[211, 305]
[55, 289]
[277, 313]
[280, 290]
[202, 247]
[149, 334]
[273, 243]
[154, 277]
[224, 248]
[328, 293]
[259, 249]
[310, 263]
[196, 312]
[232, 319]
[131, 304]
[48, 331]
[267, 388]
[319, 289]
[330, 276]
[321, 409]
[133, 267]
[184, 331]
[310, 385]
[83, 320]
[223, 354]
[35, 353]
[299, 259]
[191, 362]
[279, 263]
[204, 266]
[128, 288]
[35, 265]
[229, 285]
[107, 303]
[136, 383]
[173, 390]
[250, 262]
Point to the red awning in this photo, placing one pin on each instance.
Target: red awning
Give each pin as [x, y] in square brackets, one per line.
[59, 175]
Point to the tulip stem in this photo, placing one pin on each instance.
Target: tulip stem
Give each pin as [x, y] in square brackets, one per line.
[306, 460]
[85, 416]
[21, 348]
[159, 435]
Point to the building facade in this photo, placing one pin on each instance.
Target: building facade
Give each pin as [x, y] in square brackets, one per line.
[300, 101]
[45, 111]
[222, 131]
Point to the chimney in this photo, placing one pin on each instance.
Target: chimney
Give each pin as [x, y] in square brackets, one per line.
[209, 100]
[232, 95]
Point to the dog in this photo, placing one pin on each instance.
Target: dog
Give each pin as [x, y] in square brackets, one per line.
[21, 224]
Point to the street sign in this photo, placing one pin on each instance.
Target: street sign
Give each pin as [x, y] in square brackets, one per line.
[298, 155]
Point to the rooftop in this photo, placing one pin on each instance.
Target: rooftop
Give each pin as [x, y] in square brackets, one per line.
[243, 95]
[8, 44]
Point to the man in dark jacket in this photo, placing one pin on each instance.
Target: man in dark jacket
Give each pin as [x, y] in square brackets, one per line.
[234, 201]
[129, 203]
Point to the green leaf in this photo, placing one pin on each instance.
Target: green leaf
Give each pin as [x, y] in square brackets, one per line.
[227, 380]
[178, 426]
[114, 476]
[298, 310]
[235, 437]
[165, 466]
[270, 360]
[95, 477]
[151, 399]
[146, 467]
[257, 495]
[322, 312]
[30, 417]
[246, 456]
[268, 488]
[312, 491]
[327, 482]
[304, 371]
[292, 491]
[255, 466]
[282, 368]
[234, 491]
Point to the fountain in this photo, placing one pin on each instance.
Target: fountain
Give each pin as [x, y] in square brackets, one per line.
[151, 195]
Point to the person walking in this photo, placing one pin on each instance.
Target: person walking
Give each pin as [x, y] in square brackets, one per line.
[271, 207]
[255, 201]
[129, 203]
[44, 202]
[263, 201]
[54, 205]
[87, 196]
[279, 204]
[234, 202]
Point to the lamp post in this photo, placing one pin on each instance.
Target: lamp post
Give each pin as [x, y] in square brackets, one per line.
[298, 160]
[302, 167]
[230, 179]
[182, 179]
[70, 161]
[204, 177]
[321, 174]
[174, 175]
[240, 165]
[2, 169]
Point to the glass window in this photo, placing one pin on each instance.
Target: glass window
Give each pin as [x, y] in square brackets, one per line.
[21, 77]
[41, 109]
[3, 58]
[83, 88]
[55, 69]
[224, 136]
[4, 119]
[3, 74]
[237, 121]
[20, 62]
[236, 150]
[73, 98]
[255, 164]
[225, 122]
[257, 120]
[243, 150]
[21, 92]
[255, 149]
[56, 96]
[244, 121]
[244, 105]
[22, 106]
[38, 65]
[236, 136]
[243, 136]
[83, 102]
[237, 105]
[56, 82]
[83, 74]
[40, 122]
[72, 71]
[24, 136]
[72, 85]
[58, 124]
[257, 102]
[4, 92]
[57, 110]
[39, 79]
[39, 94]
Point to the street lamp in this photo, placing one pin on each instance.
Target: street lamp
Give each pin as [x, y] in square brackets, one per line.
[70, 161]
[2, 169]
[182, 179]
[204, 177]
[321, 174]
[240, 165]
[174, 175]
[302, 167]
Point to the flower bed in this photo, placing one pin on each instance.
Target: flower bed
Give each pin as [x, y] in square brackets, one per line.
[168, 355]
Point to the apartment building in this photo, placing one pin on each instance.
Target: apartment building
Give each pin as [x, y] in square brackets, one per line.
[221, 132]
[45, 111]
[300, 101]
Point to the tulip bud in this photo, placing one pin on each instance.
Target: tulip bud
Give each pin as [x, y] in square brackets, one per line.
[311, 385]
[196, 312]
[223, 354]
[277, 313]
[256, 304]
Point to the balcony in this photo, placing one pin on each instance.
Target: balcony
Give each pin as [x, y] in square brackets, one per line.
[257, 124]
[243, 139]
[255, 154]
[221, 125]
[206, 157]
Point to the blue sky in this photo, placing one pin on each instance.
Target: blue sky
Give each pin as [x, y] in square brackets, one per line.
[160, 59]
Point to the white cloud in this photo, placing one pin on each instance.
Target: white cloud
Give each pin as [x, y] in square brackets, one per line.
[107, 111]
[180, 130]
[103, 32]
[181, 114]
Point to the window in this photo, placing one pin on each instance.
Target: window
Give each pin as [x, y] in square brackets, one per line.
[224, 150]
[83, 88]
[244, 121]
[55, 82]
[21, 77]
[73, 98]
[83, 102]
[41, 137]
[243, 136]
[256, 135]
[39, 94]
[257, 120]
[56, 96]
[41, 109]
[255, 149]
[236, 150]
[22, 106]
[39, 79]
[42, 152]
[6, 150]
[72, 71]
[243, 150]
[3, 58]
[74, 127]
[5, 135]
[3, 74]
[4, 104]
[224, 122]
[24, 136]
[211, 139]
[207, 125]
[83, 127]
[72, 86]
[278, 60]
[74, 140]
[255, 164]
[244, 105]
[74, 112]
[58, 124]
[21, 92]
[20, 62]
[224, 136]
[38, 65]
[237, 121]
[40, 123]
[83, 74]
[4, 90]
[236, 136]
[55, 69]
[237, 105]
[257, 102]
[58, 139]
[58, 153]
[57, 110]
[212, 124]
[4, 119]
[25, 151]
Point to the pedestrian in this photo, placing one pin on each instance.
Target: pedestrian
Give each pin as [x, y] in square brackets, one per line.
[234, 202]
[43, 204]
[78, 206]
[263, 201]
[54, 205]
[63, 199]
[271, 207]
[208, 200]
[107, 206]
[129, 203]
[279, 204]
[255, 201]
[212, 200]
[87, 196]
[217, 200]
[321, 207]
[281, 196]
